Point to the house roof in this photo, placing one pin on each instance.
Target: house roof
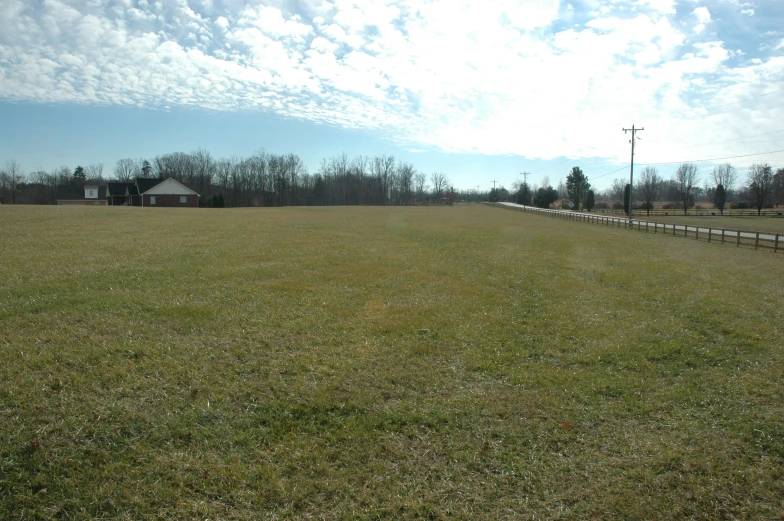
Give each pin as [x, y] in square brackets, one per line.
[145, 183]
[75, 192]
[120, 189]
[169, 187]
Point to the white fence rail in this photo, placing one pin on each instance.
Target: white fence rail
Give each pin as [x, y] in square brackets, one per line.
[756, 240]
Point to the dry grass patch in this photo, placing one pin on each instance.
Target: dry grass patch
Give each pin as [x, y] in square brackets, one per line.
[366, 363]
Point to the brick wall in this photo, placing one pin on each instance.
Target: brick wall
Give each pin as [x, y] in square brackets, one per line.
[172, 201]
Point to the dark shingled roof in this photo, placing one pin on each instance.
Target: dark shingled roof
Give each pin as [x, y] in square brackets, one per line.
[119, 189]
[75, 192]
[145, 183]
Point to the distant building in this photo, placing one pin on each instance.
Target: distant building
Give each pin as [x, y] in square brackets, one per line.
[168, 193]
[81, 195]
[143, 191]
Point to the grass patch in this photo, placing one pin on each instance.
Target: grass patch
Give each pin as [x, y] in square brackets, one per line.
[358, 363]
[746, 224]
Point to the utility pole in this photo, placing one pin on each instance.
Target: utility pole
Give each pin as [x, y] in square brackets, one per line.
[494, 182]
[525, 184]
[631, 170]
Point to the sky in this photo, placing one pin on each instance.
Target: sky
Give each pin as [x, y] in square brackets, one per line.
[481, 91]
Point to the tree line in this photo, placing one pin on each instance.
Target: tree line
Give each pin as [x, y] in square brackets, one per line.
[762, 188]
[262, 179]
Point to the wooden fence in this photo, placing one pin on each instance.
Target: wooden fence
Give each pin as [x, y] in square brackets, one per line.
[756, 240]
[706, 212]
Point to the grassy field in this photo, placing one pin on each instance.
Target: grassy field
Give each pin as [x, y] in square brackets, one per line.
[750, 224]
[375, 363]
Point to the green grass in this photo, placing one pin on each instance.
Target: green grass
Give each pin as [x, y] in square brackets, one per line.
[373, 363]
[750, 224]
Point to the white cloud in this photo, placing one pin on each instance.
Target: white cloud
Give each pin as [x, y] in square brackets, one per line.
[507, 77]
[270, 20]
[703, 17]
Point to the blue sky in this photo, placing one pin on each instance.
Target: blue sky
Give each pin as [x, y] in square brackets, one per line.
[478, 90]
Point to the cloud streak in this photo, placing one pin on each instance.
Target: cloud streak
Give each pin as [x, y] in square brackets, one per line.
[539, 79]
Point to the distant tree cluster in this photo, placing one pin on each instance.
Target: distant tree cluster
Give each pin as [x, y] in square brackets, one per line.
[260, 180]
[763, 188]
[265, 179]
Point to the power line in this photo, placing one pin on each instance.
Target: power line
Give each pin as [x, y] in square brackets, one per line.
[689, 161]
[714, 158]
[729, 140]
[745, 99]
[608, 173]
[731, 111]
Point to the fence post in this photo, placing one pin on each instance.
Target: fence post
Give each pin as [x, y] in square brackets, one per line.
[756, 241]
[697, 233]
[709, 234]
[776, 245]
[737, 239]
[722, 235]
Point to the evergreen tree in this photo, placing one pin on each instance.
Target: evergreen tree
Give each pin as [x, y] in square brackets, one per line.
[576, 186]
[590, 200]
[720, 198]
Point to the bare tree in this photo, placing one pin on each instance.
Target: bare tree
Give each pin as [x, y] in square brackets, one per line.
[686, 179]
[649, 186]
[724, 177]
[95, 172]
[438, 180]
[124, 169]
[382, 169]
[404, 176]
[562, 193]
[760, 185]
[10, 178]
[359, 166]
[420, 185]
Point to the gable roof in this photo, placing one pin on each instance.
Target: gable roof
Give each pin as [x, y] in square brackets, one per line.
[120, 189]
[168, 187]
[75, 192]
[145, 183]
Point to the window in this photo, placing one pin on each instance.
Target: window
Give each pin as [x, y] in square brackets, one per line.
[152, 199]
[183, 199]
